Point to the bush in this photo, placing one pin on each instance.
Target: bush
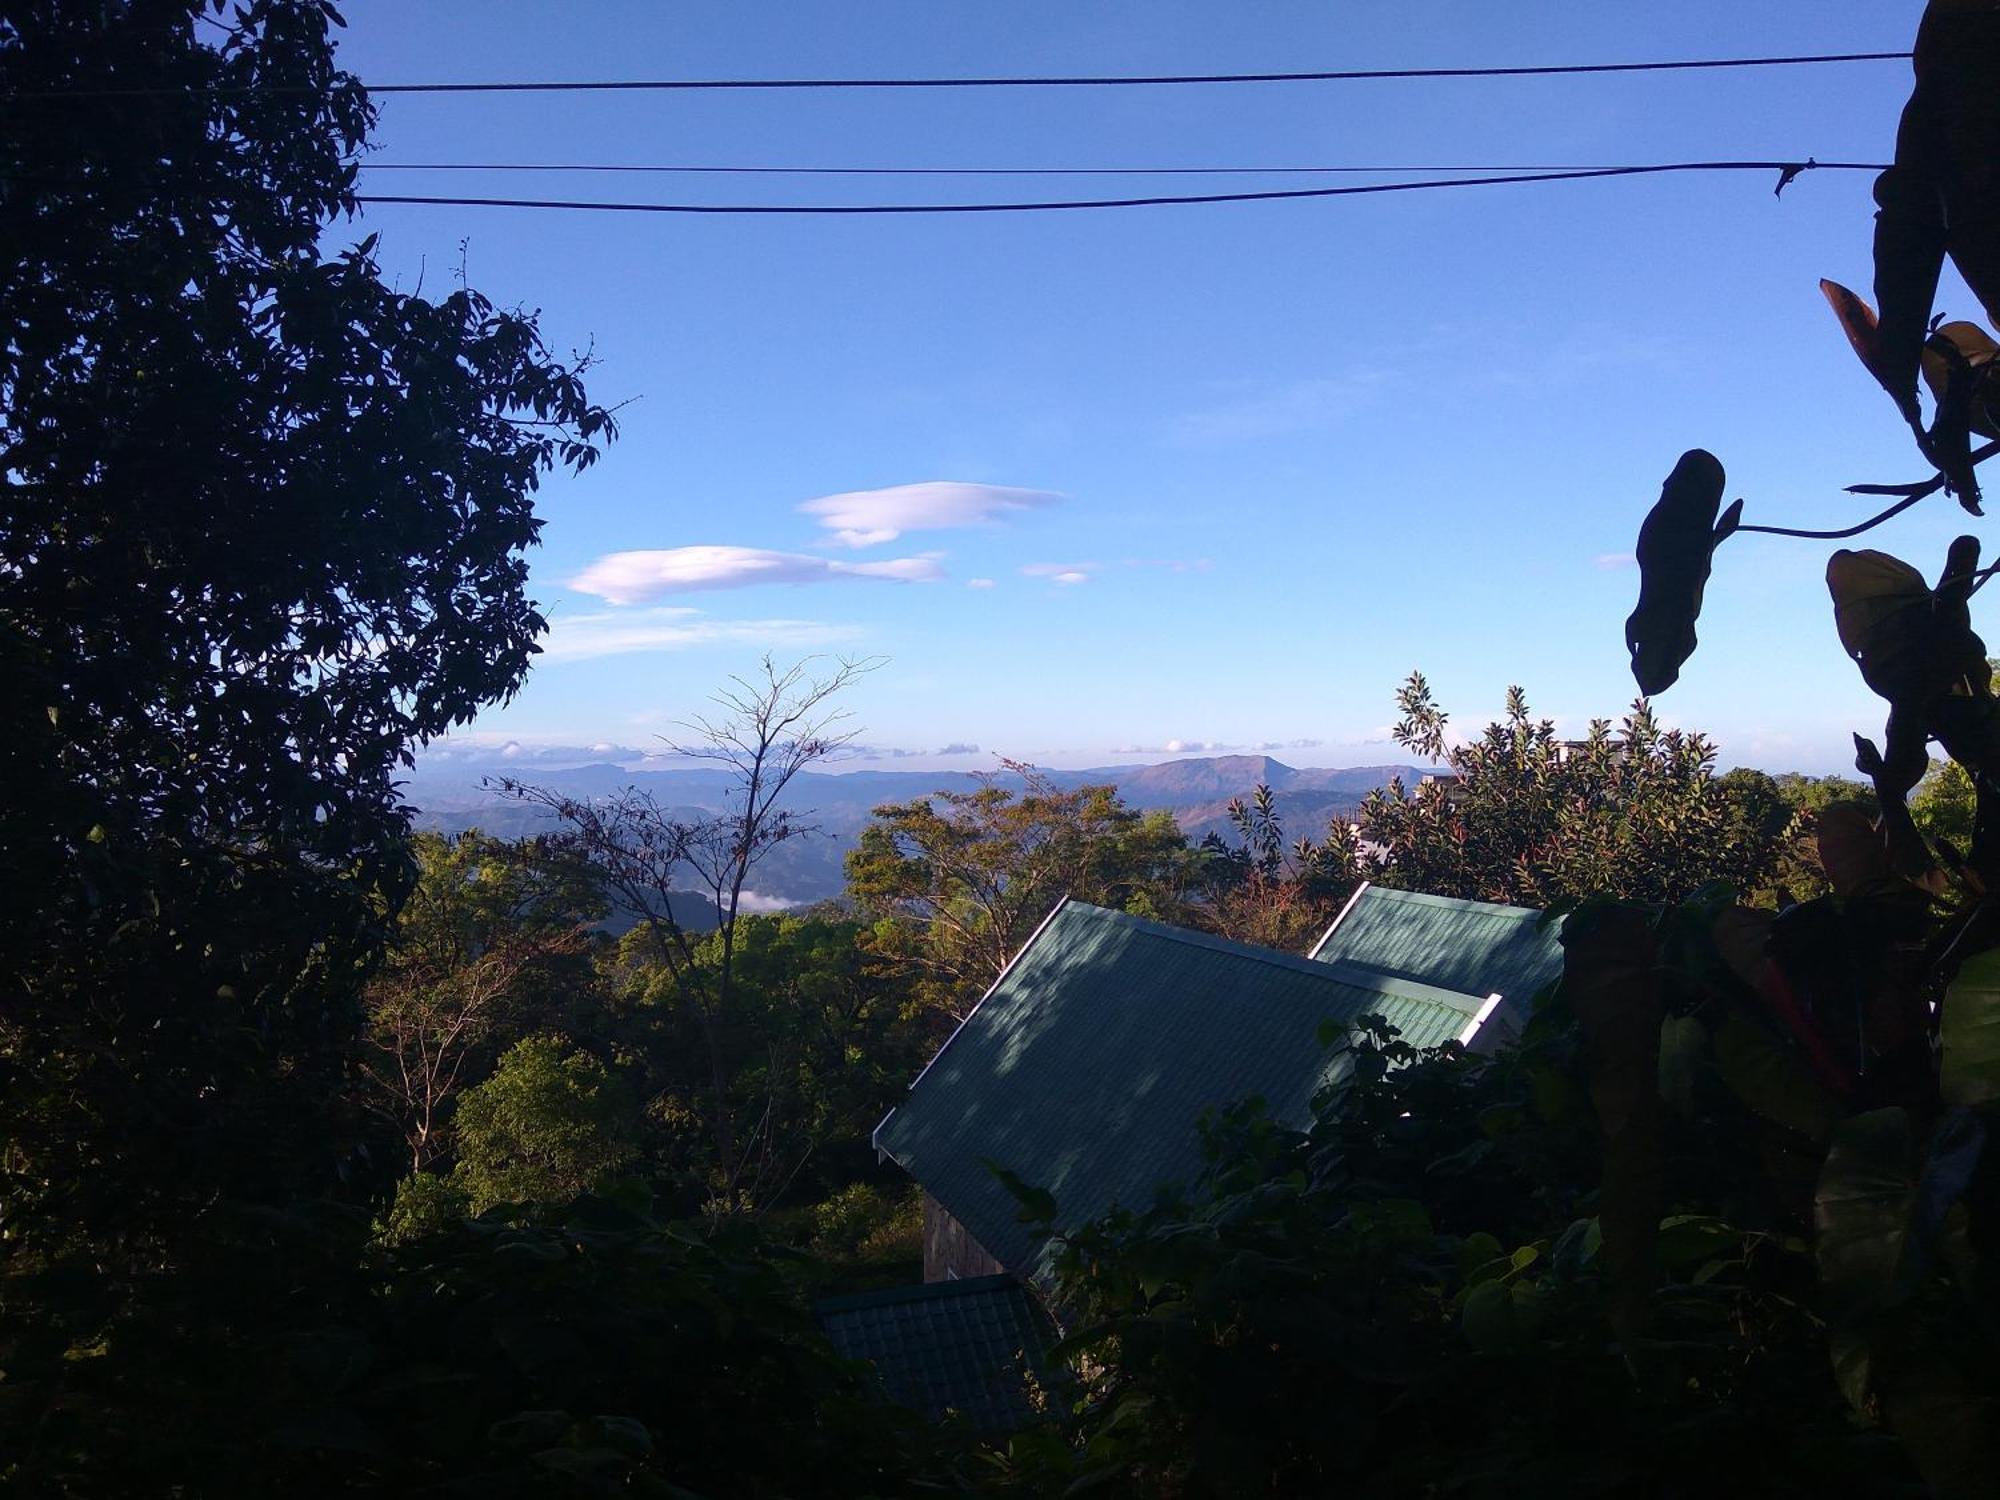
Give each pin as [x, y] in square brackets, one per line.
[860, 1222]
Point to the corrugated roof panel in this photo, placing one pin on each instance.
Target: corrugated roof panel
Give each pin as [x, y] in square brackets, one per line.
[1087, 1066]
[1471, 946]
[972, 1346]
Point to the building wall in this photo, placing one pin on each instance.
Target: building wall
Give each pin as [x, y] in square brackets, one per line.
[950, 1253]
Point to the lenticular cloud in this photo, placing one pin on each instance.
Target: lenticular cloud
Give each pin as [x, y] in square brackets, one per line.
[866, 518]
[641, 577]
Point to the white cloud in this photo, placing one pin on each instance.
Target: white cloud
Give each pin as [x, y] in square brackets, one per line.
[640, 577]
[1610, 560]
[959, 747]
[1068, 574]
[979, 583]
[865, 518]
[578, 637]
[483, 747]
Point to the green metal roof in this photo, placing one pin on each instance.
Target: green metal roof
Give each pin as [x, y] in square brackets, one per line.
[1470, 946]
[1086, 1067]
[967, 1346]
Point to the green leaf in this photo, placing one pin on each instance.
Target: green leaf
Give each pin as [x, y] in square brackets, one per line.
[1882, 608]
[1683, 1045]
[1577, 1247]
[1478, 1249]
[1500, 1317]
[1862, 1209]
[1971, 1032]
[1691, 1239]
[1770, 1079]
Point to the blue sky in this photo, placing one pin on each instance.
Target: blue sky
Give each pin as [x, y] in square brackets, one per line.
[1228, 472]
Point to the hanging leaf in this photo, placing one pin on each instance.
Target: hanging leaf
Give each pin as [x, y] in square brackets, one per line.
[1909, 255]
[1971, 1032]
[1939, 196]
[1948, 442]
[1970, 347]
[1852, 851]
[1857, 321]
[1949, 137]
[1882, 608]
[1675, 552]
[1912, 644]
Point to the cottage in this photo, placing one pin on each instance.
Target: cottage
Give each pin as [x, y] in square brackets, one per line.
[1088, 1063]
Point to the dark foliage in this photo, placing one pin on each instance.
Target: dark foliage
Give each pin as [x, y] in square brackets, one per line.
[262, 533]
[589, 1351]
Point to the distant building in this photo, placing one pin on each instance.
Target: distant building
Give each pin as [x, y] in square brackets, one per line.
[1088, 1063]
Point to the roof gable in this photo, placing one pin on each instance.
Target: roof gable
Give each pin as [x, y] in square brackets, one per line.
[1472, 946]
[1088, 1064]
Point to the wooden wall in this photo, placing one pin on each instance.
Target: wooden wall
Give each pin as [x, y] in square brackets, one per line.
[949, 1251]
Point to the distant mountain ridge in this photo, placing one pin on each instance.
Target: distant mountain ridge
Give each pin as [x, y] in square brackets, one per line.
[451, 797]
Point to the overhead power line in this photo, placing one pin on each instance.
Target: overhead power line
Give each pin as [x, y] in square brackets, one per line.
[1786, 172]
[1156, 80]
[775, 171]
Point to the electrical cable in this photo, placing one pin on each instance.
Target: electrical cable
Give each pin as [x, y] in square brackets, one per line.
[1341, 75]
[1786, 170]
[770, 171]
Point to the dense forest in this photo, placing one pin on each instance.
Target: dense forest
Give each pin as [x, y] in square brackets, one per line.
[338, 1158]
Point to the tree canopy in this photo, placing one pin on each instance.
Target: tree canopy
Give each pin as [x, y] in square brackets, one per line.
[1522, 816]
[959, 880]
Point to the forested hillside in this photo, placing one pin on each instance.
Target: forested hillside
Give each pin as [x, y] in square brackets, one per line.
[342, 1155]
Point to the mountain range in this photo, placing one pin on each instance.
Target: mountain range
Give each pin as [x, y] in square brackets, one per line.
[451, 796]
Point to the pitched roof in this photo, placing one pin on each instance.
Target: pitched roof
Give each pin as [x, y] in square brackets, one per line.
[1471, 946]
[1089, 1062]
[967, 1346]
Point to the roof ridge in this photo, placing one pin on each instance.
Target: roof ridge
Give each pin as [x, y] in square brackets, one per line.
[1353, 973]
[1460, 903]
